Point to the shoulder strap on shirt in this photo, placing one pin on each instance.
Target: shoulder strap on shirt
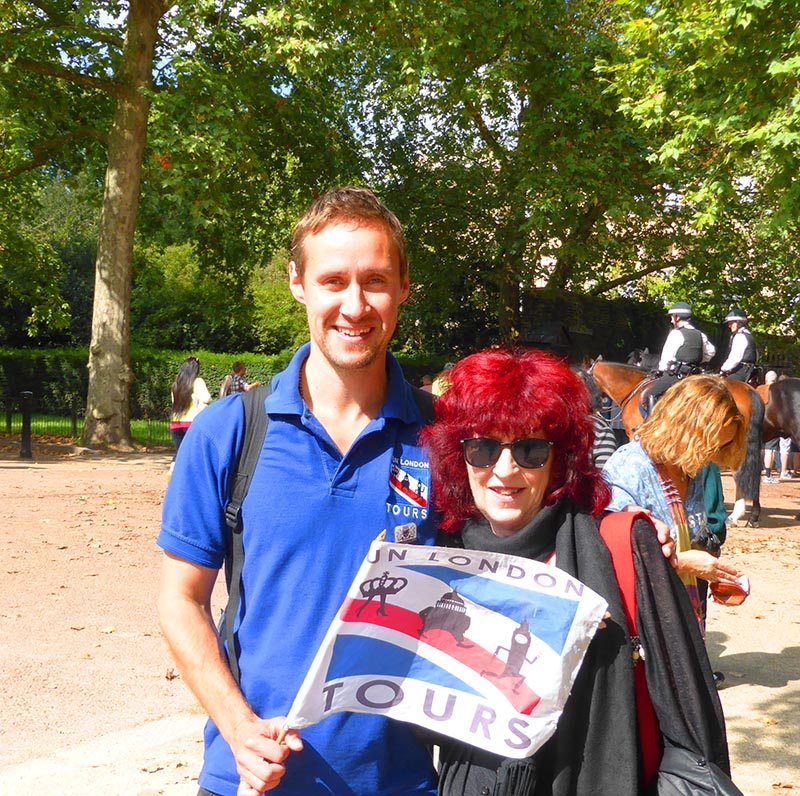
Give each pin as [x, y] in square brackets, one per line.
[616, 528]
[255, 431]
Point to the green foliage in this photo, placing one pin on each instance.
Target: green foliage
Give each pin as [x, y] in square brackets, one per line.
[68, 217]
[493, 130]
[177, 303]
[30, 270]
[57, 377]
[494, 138]
[155, 370]
[720, 83]
[279, 321]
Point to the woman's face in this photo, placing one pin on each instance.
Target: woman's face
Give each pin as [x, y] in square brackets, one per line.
[507, 495]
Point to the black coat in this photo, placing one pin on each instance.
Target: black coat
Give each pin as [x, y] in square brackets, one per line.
[595, 748]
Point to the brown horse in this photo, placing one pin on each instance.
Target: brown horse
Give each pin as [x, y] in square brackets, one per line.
[782, 415]
[624, 384]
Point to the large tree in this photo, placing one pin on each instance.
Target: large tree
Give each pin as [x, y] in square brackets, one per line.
[89, 59]
[721, 83]
[716, 87]
[245, 130]
[493, 132]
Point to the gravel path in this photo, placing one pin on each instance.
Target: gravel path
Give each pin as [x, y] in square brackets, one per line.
[89, 701]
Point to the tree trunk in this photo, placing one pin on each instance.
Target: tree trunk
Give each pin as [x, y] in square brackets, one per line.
[512, 246]
[110, 375]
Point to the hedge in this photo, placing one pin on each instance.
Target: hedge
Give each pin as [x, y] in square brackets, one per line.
[58, 376]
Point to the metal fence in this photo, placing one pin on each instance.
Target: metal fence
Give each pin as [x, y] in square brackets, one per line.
[63, 421]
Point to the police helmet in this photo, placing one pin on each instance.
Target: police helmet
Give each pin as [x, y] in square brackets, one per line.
[681, 309]
[736, 314]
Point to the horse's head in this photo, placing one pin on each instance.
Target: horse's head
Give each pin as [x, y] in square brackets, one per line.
[595, 393]
[593, 362]
[636, 357]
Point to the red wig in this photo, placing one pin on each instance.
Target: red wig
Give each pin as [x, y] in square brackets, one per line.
[511, 395]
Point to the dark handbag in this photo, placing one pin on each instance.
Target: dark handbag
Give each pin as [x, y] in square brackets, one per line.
[685, 773]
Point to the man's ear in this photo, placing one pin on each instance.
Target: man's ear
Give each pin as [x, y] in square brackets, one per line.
[296, 283]
[405, 289]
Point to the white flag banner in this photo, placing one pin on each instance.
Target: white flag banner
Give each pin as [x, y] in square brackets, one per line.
[481, 647]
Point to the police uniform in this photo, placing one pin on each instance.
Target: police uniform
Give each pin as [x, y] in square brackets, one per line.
[684, 351]
[743, 352]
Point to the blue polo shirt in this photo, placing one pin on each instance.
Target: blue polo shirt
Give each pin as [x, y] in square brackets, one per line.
[309, 518]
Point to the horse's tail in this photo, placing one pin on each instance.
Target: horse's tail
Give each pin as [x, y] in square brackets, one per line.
[748, 476]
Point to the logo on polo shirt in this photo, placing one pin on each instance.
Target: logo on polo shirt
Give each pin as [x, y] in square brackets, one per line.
[409, 487]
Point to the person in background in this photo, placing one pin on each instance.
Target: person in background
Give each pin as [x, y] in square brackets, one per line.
[716, 533]
[694, 424]
[189, 397]
[772, 446]
[788, 452]
[684, 351]
[511, 452]
[441, 381]
[427, 383]
[743, 352]
[605, 440]
[235, 382]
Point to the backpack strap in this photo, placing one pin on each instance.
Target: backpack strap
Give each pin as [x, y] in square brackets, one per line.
[615, 529]
[424, 401]
[255, 431]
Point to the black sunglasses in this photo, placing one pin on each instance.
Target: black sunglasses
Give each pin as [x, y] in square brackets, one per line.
[528, 453]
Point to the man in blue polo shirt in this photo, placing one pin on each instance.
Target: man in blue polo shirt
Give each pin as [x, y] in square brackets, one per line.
[340, 445]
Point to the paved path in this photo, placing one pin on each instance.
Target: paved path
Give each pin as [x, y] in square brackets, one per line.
[757, 645]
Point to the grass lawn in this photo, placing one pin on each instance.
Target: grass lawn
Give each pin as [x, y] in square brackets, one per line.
[143, 432]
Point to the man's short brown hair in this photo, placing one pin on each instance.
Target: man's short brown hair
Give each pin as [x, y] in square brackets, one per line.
[348, 203]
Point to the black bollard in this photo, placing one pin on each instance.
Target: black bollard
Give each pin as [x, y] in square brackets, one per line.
[26, 404]
[73, 416]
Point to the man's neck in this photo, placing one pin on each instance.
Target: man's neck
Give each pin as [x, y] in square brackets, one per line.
[344, 400]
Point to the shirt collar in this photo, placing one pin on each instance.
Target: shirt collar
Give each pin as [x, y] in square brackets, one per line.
[285, 396]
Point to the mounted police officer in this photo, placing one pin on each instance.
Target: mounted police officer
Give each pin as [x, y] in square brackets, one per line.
[743, 353]
[684, 351]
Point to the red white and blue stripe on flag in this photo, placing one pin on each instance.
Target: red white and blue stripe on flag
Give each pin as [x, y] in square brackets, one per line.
[482, 647]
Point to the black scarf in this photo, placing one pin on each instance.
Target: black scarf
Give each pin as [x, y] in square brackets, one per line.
[595, 750]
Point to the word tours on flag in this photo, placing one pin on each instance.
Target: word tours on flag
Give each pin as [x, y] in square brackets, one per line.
[477, 646]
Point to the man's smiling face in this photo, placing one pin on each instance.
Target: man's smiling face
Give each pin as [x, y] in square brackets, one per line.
[352, 289]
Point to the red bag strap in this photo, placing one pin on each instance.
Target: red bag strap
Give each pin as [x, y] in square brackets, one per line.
[615, 529]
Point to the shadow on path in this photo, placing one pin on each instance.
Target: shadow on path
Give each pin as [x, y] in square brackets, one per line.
[767, 669]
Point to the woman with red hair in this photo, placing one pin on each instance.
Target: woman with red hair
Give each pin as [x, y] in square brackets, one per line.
[511, 452]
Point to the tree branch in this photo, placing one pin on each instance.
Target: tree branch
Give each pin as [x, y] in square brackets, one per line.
[41, 152]
[47, 8]
[485, 133]
[623, 280]
[56, 18]
[565, 264]
[107, 36]
[54, 70]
